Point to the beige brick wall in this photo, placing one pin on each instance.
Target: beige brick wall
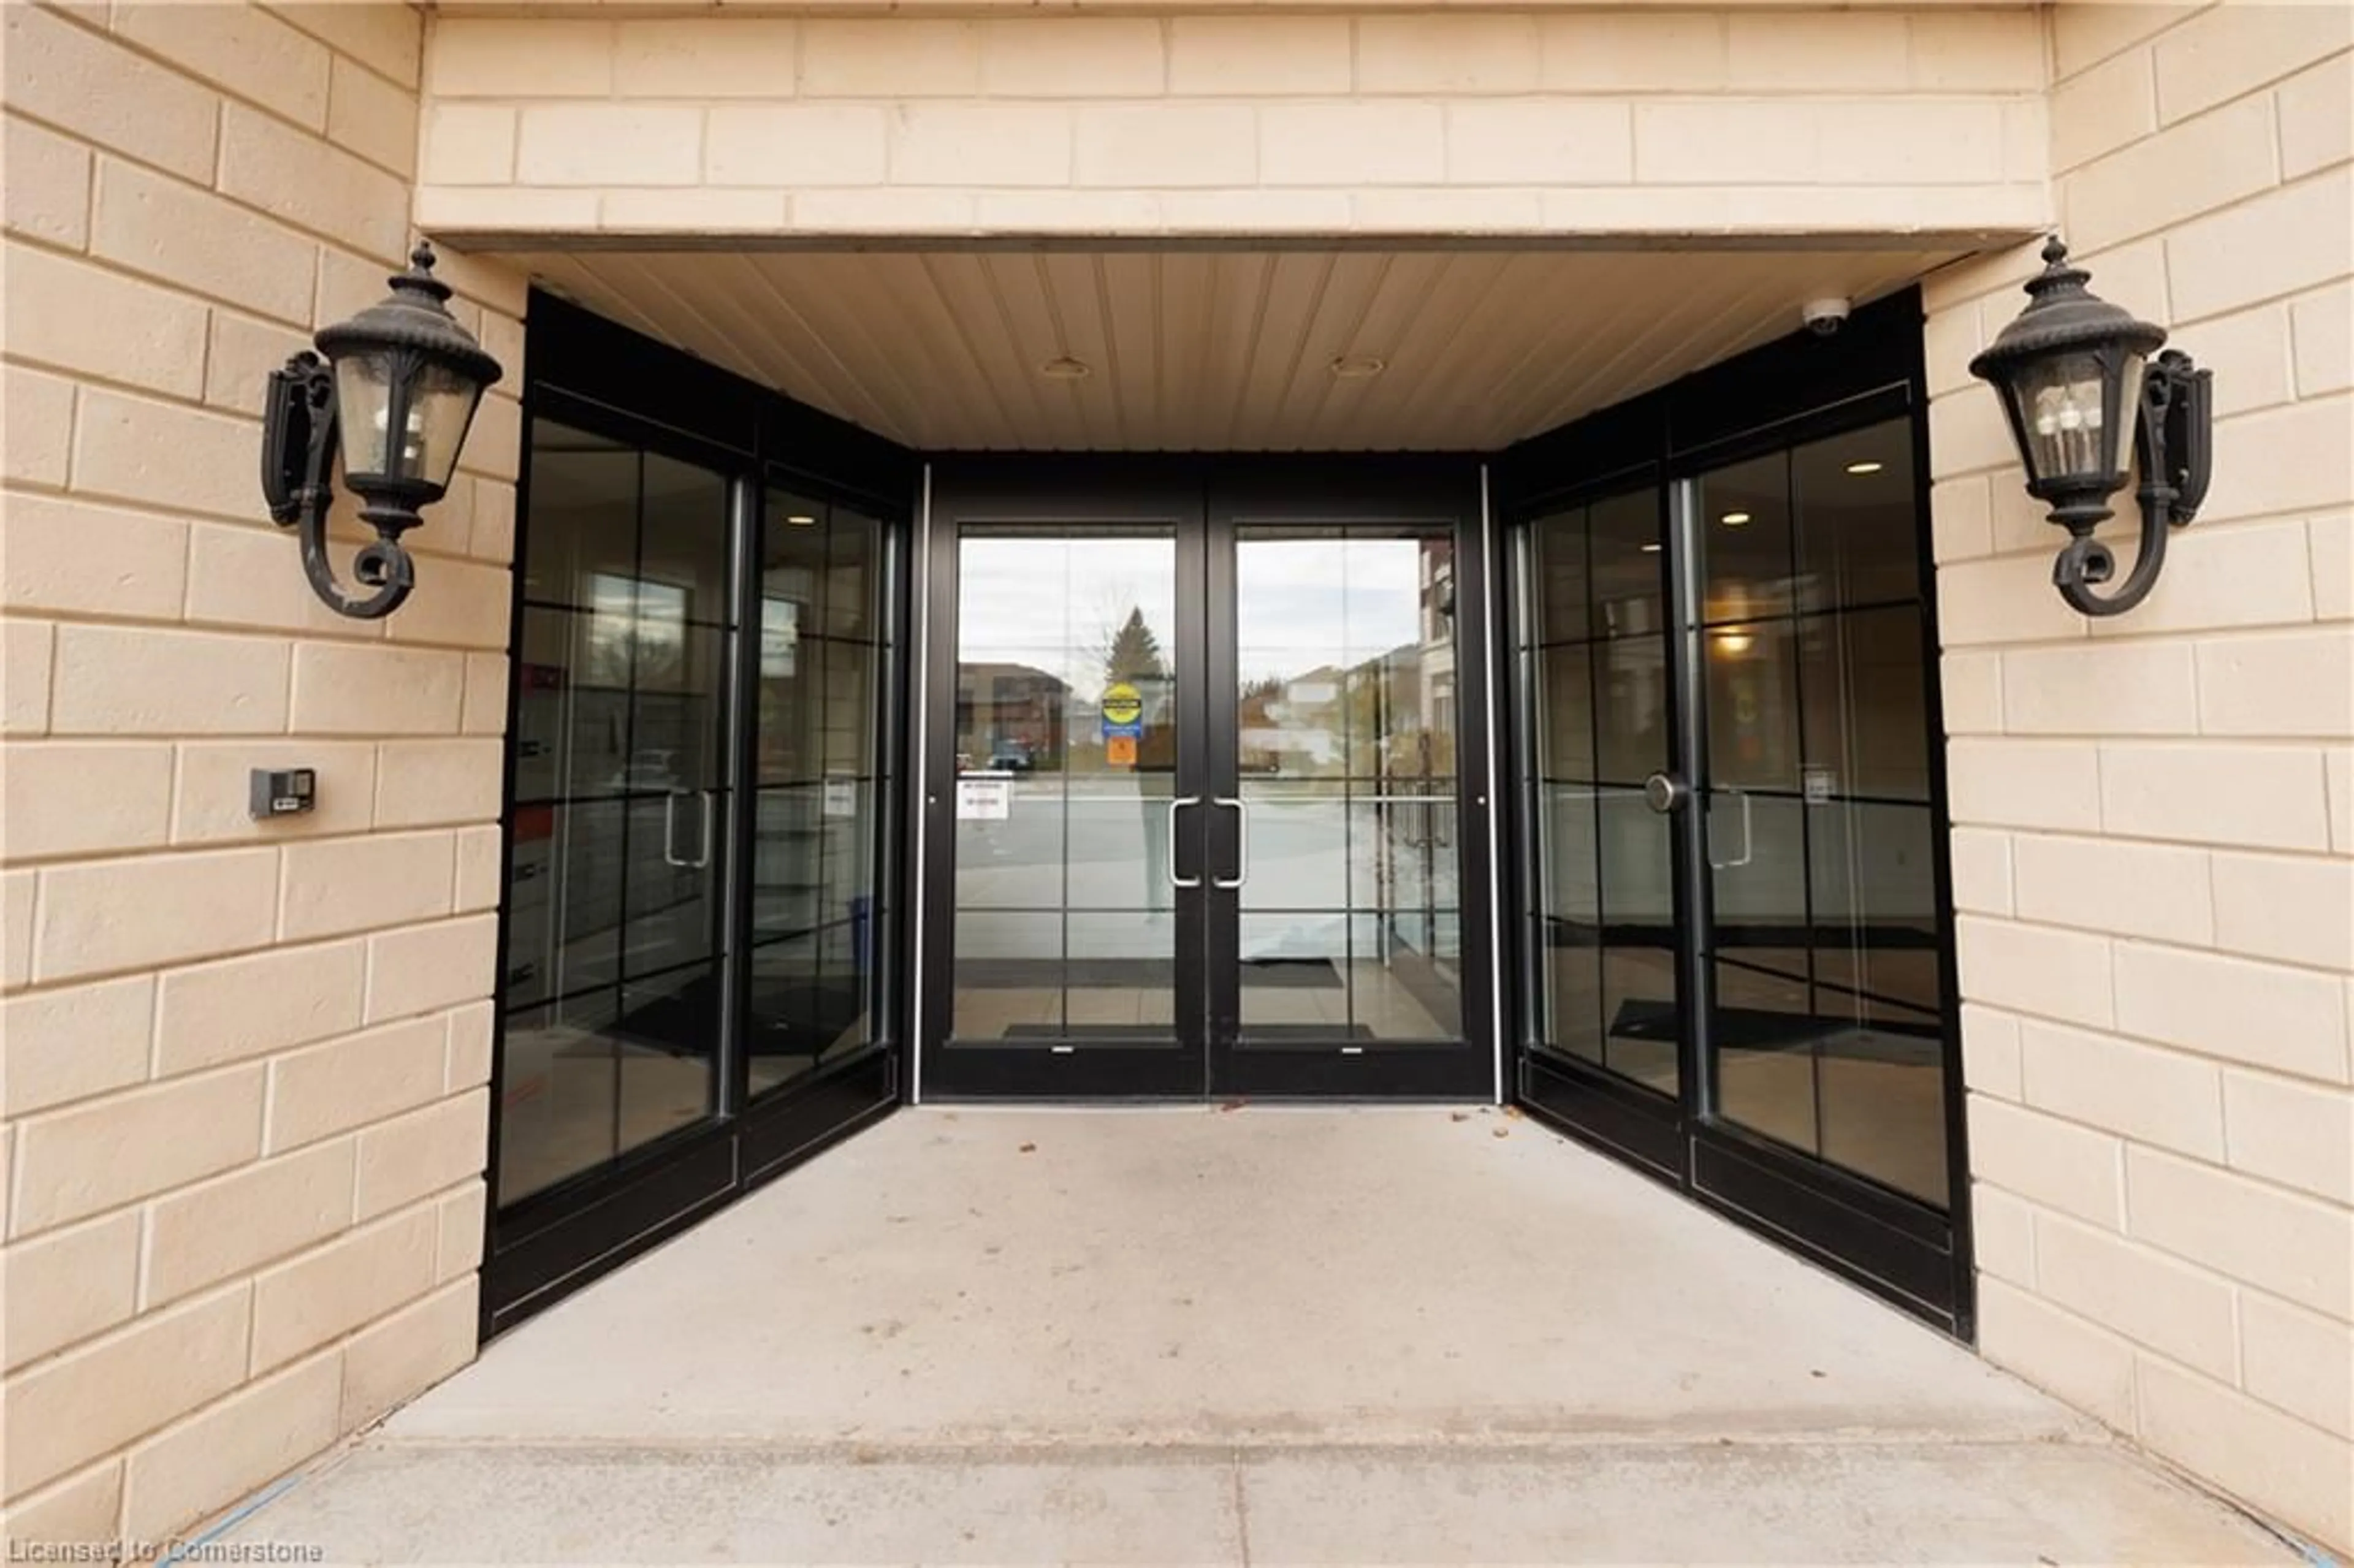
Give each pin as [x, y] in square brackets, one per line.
[1572, 121]
[244, 1064]
[2154, 850]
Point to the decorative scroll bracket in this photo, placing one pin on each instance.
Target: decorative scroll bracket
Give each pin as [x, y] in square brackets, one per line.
[2173, 445]
[298, 456]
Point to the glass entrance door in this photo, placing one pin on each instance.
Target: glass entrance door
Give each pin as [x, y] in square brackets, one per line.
[701, 915]
[1825, 1032]
[617, 942]
[1203, 801]
[1075, 810]
[1735, 968]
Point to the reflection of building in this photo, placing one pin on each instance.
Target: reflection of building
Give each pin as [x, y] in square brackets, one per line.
[1016, 714]
[1391, 715]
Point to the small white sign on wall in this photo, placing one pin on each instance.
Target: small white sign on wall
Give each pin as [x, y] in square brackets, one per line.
[984, 797]
[841, 798]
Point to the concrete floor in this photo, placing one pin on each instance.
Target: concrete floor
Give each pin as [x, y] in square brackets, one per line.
[1191, 1336]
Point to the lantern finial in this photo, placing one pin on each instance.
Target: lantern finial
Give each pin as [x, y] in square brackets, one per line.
[419, 278]
[2058, 278]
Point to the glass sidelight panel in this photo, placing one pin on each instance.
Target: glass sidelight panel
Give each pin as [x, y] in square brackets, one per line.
[1603, 926]
[1347, 853]
[1823, 945]
[815, 904]
[615, 939]
[1065, 741]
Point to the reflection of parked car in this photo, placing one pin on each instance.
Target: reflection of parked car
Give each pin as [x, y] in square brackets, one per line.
[1010, 757]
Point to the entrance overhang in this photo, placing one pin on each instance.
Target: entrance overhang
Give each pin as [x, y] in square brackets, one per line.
[1460, 347]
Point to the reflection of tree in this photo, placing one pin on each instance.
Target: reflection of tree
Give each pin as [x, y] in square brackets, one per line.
[661, 654]
[636, 633]
[605, 660]
[1133, 653]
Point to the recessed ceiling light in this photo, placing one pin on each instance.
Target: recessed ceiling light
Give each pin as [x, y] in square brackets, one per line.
[1865, 467]
[1650, 550]
[1357, 367]
[1735, 642]
[1733, 519]
[802, 520]
[1065, 368]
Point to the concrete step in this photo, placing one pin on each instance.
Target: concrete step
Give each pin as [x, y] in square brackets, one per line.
[389, 1501]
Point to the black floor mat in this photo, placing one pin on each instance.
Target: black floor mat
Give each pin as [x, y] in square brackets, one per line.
[1258, 1032]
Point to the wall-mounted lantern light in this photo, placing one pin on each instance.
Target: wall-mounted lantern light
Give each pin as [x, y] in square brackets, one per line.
[2075, 378]
[398, 385]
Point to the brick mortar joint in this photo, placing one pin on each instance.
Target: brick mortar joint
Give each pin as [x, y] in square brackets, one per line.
[292, 16]
[153, 55]
[2111, 1031]
[248, 1282]
[2044, 1209]
[371, 936]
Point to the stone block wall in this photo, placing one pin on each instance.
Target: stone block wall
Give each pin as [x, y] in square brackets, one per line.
[1442, 123]
[244, 1063]
[2154, 838]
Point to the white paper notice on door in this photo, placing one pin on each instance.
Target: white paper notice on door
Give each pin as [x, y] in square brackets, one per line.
[841, 798]
[984, 797]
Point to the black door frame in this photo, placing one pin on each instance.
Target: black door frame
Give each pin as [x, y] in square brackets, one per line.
[1797, 390]
[1076, 491]
[1205, 499]
[552, 1243]
[592, 373]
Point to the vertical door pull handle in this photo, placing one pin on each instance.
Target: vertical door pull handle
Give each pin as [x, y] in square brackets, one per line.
[703, 798]
[1175, 806]
[703, 837]
[1242, 844]
[1748, 843]
[670, 829]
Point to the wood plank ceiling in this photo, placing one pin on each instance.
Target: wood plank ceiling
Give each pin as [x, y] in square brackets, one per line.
[1200, 350]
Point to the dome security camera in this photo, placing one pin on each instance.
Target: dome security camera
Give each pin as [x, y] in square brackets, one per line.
[1823, 316]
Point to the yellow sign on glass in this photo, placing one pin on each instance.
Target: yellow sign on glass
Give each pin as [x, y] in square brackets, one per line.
[1122, 704]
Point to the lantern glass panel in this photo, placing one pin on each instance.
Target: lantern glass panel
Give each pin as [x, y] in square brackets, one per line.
[440, 405]
[2062, 404]
[363, 407]
[2126, 390]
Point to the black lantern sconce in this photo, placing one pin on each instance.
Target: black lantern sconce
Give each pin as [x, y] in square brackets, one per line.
[396, 389]
[2075, 377]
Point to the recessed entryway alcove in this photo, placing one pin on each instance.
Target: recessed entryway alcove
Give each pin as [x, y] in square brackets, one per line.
[1458, 674]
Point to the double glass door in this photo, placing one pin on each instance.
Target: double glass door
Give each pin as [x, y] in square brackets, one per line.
[1736, 964]
[1198, 818]
[698, 919]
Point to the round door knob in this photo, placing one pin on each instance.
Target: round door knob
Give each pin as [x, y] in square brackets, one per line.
[1663, 792]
